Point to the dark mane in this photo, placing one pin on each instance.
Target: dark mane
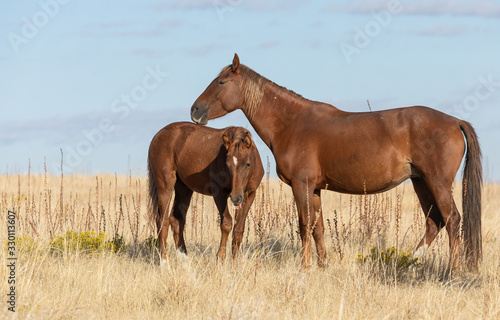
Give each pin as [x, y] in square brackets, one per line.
[253, 86]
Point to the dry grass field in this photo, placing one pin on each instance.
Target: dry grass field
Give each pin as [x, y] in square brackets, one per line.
[119, 277]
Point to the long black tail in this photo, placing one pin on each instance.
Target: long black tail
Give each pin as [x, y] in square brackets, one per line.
[471, 197]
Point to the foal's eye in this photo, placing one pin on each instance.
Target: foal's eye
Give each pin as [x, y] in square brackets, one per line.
[247, 165]
[222, 82]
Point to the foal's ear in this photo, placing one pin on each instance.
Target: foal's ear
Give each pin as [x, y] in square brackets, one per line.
[236, 64]
[247, 141]
[226, 140]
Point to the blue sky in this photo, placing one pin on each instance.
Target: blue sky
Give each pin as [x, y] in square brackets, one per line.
[98, 79]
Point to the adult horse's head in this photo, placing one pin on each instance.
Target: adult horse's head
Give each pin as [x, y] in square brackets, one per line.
[241, 160]
[236, 87]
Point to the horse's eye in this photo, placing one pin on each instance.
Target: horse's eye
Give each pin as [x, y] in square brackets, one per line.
[247, 165]
[222, 82]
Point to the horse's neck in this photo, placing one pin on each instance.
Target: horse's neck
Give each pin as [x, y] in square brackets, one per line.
[277, 110]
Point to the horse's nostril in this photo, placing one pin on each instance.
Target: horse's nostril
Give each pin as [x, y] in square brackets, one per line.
[195, 109]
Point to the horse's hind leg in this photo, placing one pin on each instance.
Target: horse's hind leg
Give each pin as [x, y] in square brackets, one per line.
[165, 194]
[446, 215]
[437, 155]
[444, 199]
[433, 222]
[178, 217]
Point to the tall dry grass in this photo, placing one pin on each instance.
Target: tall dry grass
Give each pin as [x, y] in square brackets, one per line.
[265, 282]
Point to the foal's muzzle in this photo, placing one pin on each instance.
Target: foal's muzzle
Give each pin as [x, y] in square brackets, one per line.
[237, 201]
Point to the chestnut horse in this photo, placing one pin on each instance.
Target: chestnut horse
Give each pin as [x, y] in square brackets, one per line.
[317, 146]
[185, 157]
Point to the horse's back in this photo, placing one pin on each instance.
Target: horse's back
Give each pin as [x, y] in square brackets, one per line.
[376, 149]
[188, 137]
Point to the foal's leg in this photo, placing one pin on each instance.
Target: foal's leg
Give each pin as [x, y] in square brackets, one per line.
[309, 209]
[178, 217]
[239, 226]
[226, 223]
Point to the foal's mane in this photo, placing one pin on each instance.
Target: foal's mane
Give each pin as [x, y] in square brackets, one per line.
[237, 136]
[253, 88]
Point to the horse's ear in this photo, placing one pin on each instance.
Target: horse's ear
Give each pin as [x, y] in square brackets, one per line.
[226, 140]
[236, 64]
[247, 141]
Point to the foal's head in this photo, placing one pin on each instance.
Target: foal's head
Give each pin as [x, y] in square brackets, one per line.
[236, 87]
[241, 160]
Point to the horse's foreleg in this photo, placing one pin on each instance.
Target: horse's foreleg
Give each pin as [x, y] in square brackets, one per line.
[310, 222]
[319, 229]
[239, 226]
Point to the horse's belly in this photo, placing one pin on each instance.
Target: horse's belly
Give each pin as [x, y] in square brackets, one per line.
[194, 183]
[204, 183]
[369, 179]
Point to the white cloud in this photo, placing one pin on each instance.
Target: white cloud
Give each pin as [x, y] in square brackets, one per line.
[442, 30]
[269, 44]
[151, 53]
[64, 130]
[183, 4]
[483, 8]
[172, 23]
[119, 24]
[257, 5]
[202, 50]
[141, 33]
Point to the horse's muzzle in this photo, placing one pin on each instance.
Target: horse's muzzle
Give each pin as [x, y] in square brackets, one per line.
[199, 114]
